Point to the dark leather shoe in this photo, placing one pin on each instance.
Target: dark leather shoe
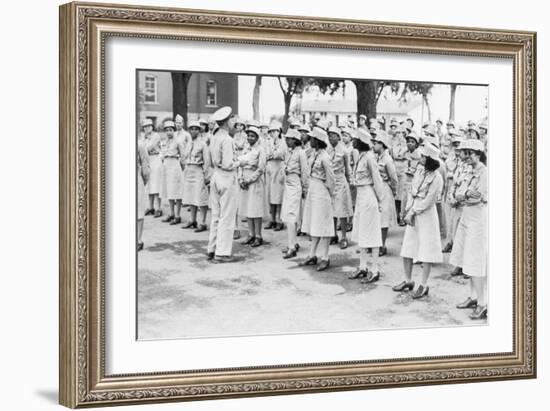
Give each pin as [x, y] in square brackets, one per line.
[224, 258]
[323, 265]
[200, 228]
[334, 240]
[210, 256]
[456, 271]
[236, 235]
[403, 286]
[270, 225]
[296, 247]
[140, 246]
[176, 221]
[371, 277]
[468, 303]
[300, 233]
[382, 251]
[480, 313]
[343, 244]
[190, 224]
[421, 292]
[309, 261]
[249, 240]
[258, 241]
[150, 211]
[158, 213]
[448, 248]
[168, 219]
[358, 273]
[279, 227]
[290, 254]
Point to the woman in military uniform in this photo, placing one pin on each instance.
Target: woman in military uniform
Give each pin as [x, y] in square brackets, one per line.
[174, 154]
[152, 142]
[275, 155]
[143, 173]
[412, 158]
[318, 205]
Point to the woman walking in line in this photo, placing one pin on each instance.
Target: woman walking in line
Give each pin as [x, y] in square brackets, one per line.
[296, 183]
[275, 155]
[342, 207]
[422, 241]
[318, 206]
[252, 183]
[470, 242]
[367, 230]
[174, 154]
[388, 174]
[152, 143]
[196, 175]
[143, 173]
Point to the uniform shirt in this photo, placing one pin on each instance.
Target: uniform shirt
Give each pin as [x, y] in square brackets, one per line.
[310, 152]
[321, 169]
[296, 162]
[412, 158]
[253, 159]
[474, 182]
[197, 154]
[462, 170]
[183, 136]
[143, 167]
[152, 143]
[386, 167]
[366, 172]
[340, 161]
[426, 188]
[222, 151]
[240, 141]
[174, 149]
[398, 147]
[275, 149]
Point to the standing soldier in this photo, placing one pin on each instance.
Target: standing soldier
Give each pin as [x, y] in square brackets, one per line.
[196, 175]
[296, 183]
[318, 206]
[342, 207]
[452, 165]
[152, 143]
[412, 158]
[252, 183]
[223, 189]
[181, 133]
[275, 155]
[397, 151]
[143, 172]
[362, 121]
[386, 167]
[240, 137]
[174, 154]
[367, 230]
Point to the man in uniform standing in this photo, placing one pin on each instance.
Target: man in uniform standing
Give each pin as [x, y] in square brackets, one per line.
[223, 189]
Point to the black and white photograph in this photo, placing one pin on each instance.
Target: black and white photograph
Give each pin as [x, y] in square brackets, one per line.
[269, 204]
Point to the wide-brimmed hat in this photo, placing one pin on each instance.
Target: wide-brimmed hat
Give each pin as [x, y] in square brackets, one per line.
[253, 129]
[431, 151]
[474, 145]
[451, 123]
[304, 127]
[253, 123]
[457, 138]
[275, 125]
[147, 122]
[319, 134]
[363, 116]
[364, 136]
[323, 123]
[433, 140]
[484, 126]
[429, 129]
[382, 137]
[295, 123]
[335, 130]
[295, 134]
[411, 134]
[221, 114]
[194, 123]
[168, 124]
[202, 120]
[239, 120]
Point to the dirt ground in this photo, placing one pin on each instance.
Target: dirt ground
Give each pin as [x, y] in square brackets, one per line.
[182, 295]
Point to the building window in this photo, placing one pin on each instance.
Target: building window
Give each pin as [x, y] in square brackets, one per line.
[211, 93]
[150, 90]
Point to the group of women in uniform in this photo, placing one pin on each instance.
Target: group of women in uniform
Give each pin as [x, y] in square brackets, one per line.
[316, 179]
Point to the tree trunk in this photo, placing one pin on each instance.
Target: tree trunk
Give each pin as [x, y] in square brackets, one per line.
[288, 99]
[366, 98]
[180, 81]
[428, 108]
[452, 103]
[256, 98]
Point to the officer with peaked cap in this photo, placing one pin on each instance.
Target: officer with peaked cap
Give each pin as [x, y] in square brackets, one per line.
[223, 188]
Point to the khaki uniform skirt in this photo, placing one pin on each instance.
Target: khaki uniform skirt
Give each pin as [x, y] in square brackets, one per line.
[470, 242]
[366, 220]
[388, 217]
[422, 241]
[292, 199]
[252, 200]
[317, 220]
[154, 185]
[342, 205]
[174, 178]
[141, 196]
[195, 192]
[274, 184]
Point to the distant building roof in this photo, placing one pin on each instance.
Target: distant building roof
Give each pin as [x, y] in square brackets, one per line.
[350, 106]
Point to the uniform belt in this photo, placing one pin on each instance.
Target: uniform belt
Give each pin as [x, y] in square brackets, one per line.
[174, 157]
[154, 154]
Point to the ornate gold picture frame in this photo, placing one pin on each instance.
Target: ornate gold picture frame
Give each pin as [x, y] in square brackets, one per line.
[84, 28]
